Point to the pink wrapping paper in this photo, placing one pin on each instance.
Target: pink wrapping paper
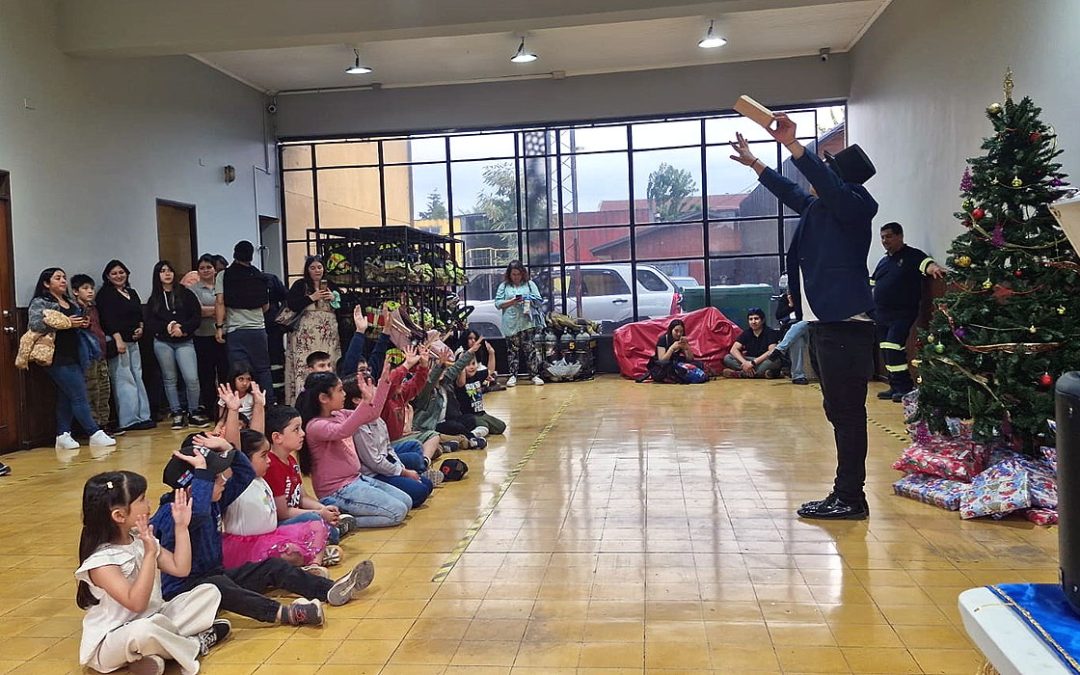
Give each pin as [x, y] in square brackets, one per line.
[951, 459]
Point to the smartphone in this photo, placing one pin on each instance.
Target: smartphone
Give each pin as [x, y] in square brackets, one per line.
[323, 285]
[520, 297]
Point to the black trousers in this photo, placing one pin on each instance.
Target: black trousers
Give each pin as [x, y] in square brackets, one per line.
[892, 335]
[842, 354]
[242, 588]
[213, 370]
[457, 426]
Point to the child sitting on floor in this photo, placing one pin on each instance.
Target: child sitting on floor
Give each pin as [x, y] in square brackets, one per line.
[127, 623]
[469, 391]
[252, 532]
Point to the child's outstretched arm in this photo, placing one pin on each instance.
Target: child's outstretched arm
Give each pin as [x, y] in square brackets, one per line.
[258, 410]
[178, 561]
[227, 396]
[133, 595]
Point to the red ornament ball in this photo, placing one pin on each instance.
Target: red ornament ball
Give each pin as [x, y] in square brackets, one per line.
[1046, 381]
[978, 214]
[1018, 273]
[1035, 137]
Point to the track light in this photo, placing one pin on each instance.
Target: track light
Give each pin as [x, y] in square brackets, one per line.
[356, 68]
[522, 56]
[711, 39]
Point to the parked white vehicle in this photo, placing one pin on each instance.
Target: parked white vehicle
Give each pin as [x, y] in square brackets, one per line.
[605, 297]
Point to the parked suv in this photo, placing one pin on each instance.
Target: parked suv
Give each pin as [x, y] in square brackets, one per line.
[605, 297]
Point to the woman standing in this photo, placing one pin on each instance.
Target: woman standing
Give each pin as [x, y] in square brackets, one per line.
[516, 298]
[173, 315]
[122, 318]
[211, 355]
[315, 300]
[65, 320]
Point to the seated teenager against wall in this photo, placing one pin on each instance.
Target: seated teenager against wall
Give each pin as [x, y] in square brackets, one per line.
[674, 361]
[752, 354]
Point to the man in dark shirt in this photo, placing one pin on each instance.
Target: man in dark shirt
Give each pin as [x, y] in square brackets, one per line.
[897, 283]
[752, 354]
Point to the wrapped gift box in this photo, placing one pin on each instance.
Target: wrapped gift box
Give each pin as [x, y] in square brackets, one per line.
[930, 490]
[945, 458]
[999, 496]
[1042, 516]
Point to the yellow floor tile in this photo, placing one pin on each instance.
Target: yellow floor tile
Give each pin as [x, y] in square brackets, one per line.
[880, 660]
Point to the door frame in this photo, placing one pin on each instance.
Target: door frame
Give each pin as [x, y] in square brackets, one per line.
[12, 321]
[194, 225]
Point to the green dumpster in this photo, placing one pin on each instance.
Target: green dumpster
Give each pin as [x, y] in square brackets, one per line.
[733, 301]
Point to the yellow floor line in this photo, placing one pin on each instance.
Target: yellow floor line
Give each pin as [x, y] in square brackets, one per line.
[474, 528]
[903, 437]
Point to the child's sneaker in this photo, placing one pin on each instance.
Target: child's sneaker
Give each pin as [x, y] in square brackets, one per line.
[346, 523]
[147, 665]
[435, 476]
[537, 381]
[480, 432]
[304, 612]
[217, 633]
[346, 588]
[450, 446]
[331, 555]
[478, 443]
[317, 570]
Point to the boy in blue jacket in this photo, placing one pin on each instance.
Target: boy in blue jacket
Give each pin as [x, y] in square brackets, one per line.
[220, 474]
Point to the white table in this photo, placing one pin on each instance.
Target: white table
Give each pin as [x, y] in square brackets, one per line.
[1004, 638]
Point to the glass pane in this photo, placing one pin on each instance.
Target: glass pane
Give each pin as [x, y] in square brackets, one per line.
[399, 151]
[667, 134]
[295, 252]
[347, 154]
[595, 190]
[485, 195]
[540, 195]
[541, 248]
[790, 225]
[299, 203]
[591, 245]
[349, 198]
[667, 185]
[482, 146]
[734, 189]
[669, 241]
[296, 157]
[490, 249]
[656, 280]
[537, 142]
[594, 139]
[743, 236]
[735, 271]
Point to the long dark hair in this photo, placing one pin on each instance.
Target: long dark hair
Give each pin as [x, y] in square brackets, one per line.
[158, 291]
[352, 391]
[671, 328]
[101, 494]
[46, 274]
[315, 385]
[108, 266]
[308, 281]
[516, 265]
[251, 441]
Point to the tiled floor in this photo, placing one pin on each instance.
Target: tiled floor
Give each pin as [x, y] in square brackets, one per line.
[651, 529]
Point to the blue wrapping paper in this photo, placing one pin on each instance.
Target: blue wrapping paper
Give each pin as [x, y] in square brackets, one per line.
[1044, 609]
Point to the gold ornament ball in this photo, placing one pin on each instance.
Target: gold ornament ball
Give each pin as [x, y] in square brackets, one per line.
[918, 380]
[939, 348]
[967, 204]
[1033, 330]
[1061, 311]
[964, 261]
[930, 338]
[994, 108]
[987, 285]
[1016, 182]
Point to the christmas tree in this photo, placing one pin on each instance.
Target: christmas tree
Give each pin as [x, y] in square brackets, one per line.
[1010, 323]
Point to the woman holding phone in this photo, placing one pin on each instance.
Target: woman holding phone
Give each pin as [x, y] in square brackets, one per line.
[314, 299]
[518, 297]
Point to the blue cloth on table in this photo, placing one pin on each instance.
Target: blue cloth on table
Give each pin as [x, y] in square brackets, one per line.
[1044, 609]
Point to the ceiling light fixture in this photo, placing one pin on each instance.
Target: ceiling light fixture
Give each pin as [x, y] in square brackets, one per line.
[356, 68]
[711, 39]
[522, 56]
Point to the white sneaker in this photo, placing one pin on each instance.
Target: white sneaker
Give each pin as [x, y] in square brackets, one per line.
[65, 442]
[512, 382]
[102, 438]
[538, 381]
[480, 432]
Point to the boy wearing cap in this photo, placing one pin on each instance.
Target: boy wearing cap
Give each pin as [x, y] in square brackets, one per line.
[212, 490]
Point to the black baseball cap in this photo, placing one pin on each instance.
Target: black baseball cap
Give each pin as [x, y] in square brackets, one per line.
[179, 474]
[452, 469]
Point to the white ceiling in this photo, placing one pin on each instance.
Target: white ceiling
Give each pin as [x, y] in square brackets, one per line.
[575, 50]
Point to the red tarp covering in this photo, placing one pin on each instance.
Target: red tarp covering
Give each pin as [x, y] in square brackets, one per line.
[711, 335]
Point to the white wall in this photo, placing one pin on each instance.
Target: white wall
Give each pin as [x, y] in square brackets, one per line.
[614, 95]
[922, 77]
[102, 139]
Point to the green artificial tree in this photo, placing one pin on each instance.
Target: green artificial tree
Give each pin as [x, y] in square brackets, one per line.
[1009, 324]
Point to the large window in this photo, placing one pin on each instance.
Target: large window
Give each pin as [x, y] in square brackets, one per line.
[615, 220]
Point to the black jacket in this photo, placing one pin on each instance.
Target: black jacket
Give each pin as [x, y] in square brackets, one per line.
[181, 306]
[244, 287]
[119, 314]
[298, 298]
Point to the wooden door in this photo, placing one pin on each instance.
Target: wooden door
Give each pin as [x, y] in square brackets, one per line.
[177, 235]
[9, 338]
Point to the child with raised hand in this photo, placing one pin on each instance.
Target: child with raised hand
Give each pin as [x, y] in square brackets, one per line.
[252, 532]
[284, 430]
[469, 391]
[433, 404]
[127, 623]
[215, 483]
[329, 455]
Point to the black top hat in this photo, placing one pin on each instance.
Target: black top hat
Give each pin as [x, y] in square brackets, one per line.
[851, 164]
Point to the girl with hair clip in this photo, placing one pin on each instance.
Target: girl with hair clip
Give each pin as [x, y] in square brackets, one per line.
[127, 624]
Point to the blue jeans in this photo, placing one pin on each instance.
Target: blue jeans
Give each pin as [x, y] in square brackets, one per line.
[125, 371]
[373, 503]
[418, 490]
[248, 345]
[334, 536]
[72, 401]
[411, 454]
[173, 356]
[794, 344]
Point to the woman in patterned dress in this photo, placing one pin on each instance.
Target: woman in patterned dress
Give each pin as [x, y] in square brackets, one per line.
[315, 299]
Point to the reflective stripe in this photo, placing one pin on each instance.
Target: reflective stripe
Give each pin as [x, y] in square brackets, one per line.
[889, 345]
[896, 369]
[873, 282]
[924, 264]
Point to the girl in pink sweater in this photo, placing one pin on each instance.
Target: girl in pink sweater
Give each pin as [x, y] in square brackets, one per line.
[329, 457]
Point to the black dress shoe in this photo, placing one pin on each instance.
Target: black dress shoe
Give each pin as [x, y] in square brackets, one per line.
[835, 508]
[815, 503]
[886, 395]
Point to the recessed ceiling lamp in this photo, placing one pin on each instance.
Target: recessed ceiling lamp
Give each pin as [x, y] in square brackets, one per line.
[711, 39]
[356, 68]
[522, 56]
